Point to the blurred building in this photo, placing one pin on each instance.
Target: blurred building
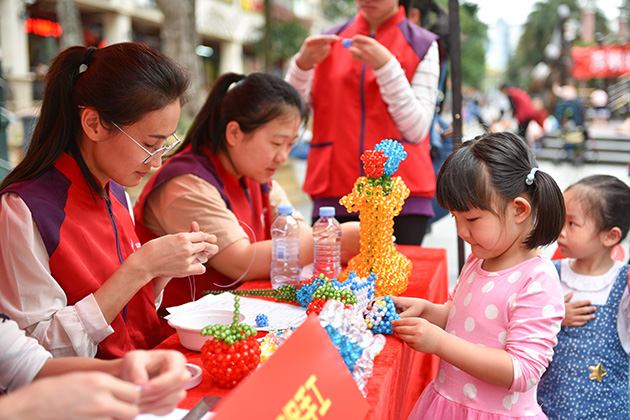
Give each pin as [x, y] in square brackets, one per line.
[29, 35]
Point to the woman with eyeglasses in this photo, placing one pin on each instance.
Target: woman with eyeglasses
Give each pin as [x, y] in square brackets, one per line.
[222, 177]
[72, 271]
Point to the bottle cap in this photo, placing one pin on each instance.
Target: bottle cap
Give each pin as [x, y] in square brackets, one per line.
[327, 211]
[285, 209]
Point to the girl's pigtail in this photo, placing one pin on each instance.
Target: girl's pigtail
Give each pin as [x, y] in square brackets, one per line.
[550, 211]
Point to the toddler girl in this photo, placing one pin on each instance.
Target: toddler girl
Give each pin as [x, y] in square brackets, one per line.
[588, 377]
[495, 335]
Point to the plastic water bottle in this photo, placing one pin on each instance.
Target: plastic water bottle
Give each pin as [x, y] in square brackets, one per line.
[285, 234]
[327, 244]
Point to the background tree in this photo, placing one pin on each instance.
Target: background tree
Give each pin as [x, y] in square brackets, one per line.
[474, 37]
[537, 34]
[286, 37]
[68, 17]
[180, 40]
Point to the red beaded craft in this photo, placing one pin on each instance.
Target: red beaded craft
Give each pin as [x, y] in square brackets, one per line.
[232, 352]
[373, 163]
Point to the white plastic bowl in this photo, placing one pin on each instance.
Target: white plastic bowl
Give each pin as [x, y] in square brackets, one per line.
[190, 324]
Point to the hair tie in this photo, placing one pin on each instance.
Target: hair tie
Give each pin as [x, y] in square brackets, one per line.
[86, 56]
[531, 176]
[235, 84]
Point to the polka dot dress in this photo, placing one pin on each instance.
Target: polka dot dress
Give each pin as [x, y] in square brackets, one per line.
[575, 386]
[518, 310]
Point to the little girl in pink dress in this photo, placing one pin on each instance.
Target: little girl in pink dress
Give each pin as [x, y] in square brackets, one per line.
[495, 335]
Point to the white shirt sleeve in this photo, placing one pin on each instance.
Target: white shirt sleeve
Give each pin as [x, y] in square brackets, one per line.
[300, 79]
[21, 357]
[33, 298]
[411, 106]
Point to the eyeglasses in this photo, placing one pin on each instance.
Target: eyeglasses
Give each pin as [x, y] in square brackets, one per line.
[158, 153]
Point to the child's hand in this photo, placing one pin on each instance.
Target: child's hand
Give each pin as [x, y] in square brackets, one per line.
[577, 313]
[408, 307]
[418, 333]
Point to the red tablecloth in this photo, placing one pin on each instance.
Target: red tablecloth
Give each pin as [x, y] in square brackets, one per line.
[400, 373]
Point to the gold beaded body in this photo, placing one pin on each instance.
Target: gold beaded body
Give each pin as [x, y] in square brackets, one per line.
[378, 201]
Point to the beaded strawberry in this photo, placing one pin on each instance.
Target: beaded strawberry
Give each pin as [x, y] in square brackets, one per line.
[232, 352]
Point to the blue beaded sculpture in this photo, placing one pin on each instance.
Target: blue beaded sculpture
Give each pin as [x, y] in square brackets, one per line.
[354, 290]
[379, 317]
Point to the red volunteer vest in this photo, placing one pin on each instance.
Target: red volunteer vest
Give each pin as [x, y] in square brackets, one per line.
[350, 116]
[87, 238]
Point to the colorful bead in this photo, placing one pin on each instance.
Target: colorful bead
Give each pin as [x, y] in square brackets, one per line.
[262, 320]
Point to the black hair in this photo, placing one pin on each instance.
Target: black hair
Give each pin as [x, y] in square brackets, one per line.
[252, 101]
[606, 200]
[489, 172]
[439, 25]
[123, 82]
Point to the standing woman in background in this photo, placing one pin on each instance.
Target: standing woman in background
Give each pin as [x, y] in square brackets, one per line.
[72, 271]
[383, 71]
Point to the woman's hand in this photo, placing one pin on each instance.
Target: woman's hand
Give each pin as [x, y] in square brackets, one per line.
[205, 255]
[418, 333]
[369, 51]
[178, 255]
[314, 50]
[161, 374]
[577, 313]
[83, 395]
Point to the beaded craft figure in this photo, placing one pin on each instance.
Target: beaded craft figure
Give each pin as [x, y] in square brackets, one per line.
[356, 344]
[232, 351]
[379, 197]
[379, 318]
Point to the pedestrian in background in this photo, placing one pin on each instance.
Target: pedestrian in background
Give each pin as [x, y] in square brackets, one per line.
[383, 73]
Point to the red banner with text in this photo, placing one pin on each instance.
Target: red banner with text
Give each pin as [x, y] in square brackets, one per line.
[305, 379]
[600, 62]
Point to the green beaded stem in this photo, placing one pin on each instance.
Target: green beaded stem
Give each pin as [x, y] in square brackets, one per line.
[230, 334]
[286, 293]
